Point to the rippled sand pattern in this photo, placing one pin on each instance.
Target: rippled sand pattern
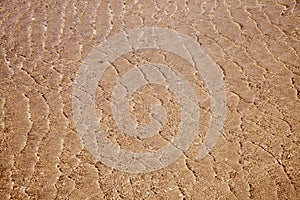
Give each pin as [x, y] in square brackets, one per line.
[256, 43]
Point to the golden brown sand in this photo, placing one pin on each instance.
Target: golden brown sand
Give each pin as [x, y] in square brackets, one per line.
[255, 43]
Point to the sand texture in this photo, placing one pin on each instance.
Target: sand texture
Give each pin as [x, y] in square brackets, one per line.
[254, 43]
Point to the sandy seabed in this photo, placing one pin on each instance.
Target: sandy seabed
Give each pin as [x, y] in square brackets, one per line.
[256, 44]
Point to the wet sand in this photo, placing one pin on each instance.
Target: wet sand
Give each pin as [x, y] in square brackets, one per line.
[256, 44]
